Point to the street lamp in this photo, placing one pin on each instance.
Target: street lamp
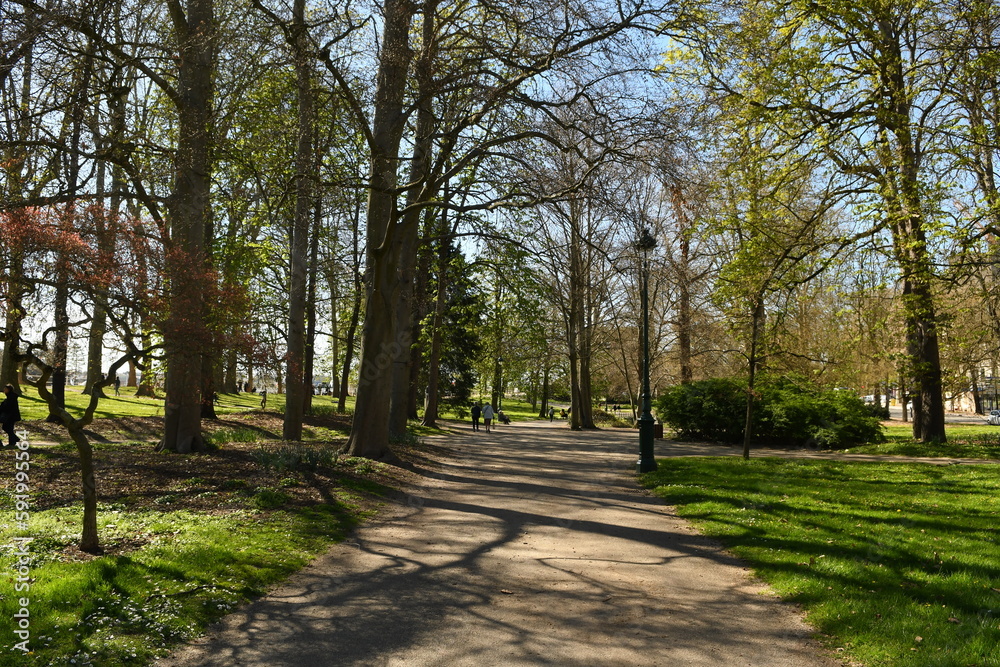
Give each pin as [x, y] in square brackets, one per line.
[646, 463]
[499, 383]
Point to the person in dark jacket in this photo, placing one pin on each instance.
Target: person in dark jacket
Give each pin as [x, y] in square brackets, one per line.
[10, 413]
[476, 412]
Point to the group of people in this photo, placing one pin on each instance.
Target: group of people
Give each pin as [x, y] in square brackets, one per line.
[487, 413]
[563, 413]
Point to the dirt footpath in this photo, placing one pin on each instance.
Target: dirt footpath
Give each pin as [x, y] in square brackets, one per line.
[531, 545]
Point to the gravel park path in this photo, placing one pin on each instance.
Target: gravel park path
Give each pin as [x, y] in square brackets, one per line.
[531, 545]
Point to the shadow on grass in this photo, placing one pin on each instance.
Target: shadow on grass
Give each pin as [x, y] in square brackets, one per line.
[878, 553]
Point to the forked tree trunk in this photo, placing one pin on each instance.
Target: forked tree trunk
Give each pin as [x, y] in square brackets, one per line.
[408, 234]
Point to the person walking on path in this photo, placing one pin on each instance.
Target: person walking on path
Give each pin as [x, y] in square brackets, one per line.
[487, 416]
[118, 385]
[10, 414]
[552, 412]
[476, 412]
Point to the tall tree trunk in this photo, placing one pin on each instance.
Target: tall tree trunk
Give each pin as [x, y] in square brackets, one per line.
[185, 334]
[99, 320]
[432, 405]
[899, 155]
[352, 325]
[230, 375]
[380, 348]
[60, 347]
[310, 351]
[544, 410]
[756, 329]
[333, 285]
[575, 316]
[977, 397]
[683, 277]
[13, 317]
[420, 191]
[305, 165]
[15, 156]
[349, 339]
[587, 349]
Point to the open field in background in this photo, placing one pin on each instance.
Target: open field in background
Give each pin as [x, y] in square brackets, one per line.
[129, 405]
[895, 564]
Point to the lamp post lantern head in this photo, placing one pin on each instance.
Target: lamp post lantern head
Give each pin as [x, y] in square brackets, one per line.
[645, 243]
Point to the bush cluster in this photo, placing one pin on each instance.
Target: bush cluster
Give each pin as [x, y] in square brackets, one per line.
[788, 412]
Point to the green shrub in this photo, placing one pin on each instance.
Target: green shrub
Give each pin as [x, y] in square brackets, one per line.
[788, 412]
[707, 410]
[605, 418]
[880, 411]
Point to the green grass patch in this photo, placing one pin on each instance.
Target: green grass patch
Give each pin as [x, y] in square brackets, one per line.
[126, 405]
[290, 456]
[128, 609]
[130, 405]
[898, 564]
[226, 435]
[964, 441]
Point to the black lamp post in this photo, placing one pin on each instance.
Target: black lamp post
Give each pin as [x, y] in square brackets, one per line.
[499, 383]
[647, 462]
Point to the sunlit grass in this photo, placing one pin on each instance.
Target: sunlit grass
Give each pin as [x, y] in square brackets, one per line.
[899, 564]
[130, 405]
[964, 441]
[193, 569]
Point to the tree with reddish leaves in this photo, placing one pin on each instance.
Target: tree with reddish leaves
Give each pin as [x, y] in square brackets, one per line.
[68, 237]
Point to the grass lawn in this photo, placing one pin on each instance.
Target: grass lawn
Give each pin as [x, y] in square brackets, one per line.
[129, 405]
[964, 441]
[186, 537]
[895, 564]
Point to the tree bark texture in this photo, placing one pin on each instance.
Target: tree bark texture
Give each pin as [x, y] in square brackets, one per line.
[313, 275]
[898, 152]
[352, 325]
[305, 166]
[186, 337]
[756, 331]
[380, 348]
[419, 191]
